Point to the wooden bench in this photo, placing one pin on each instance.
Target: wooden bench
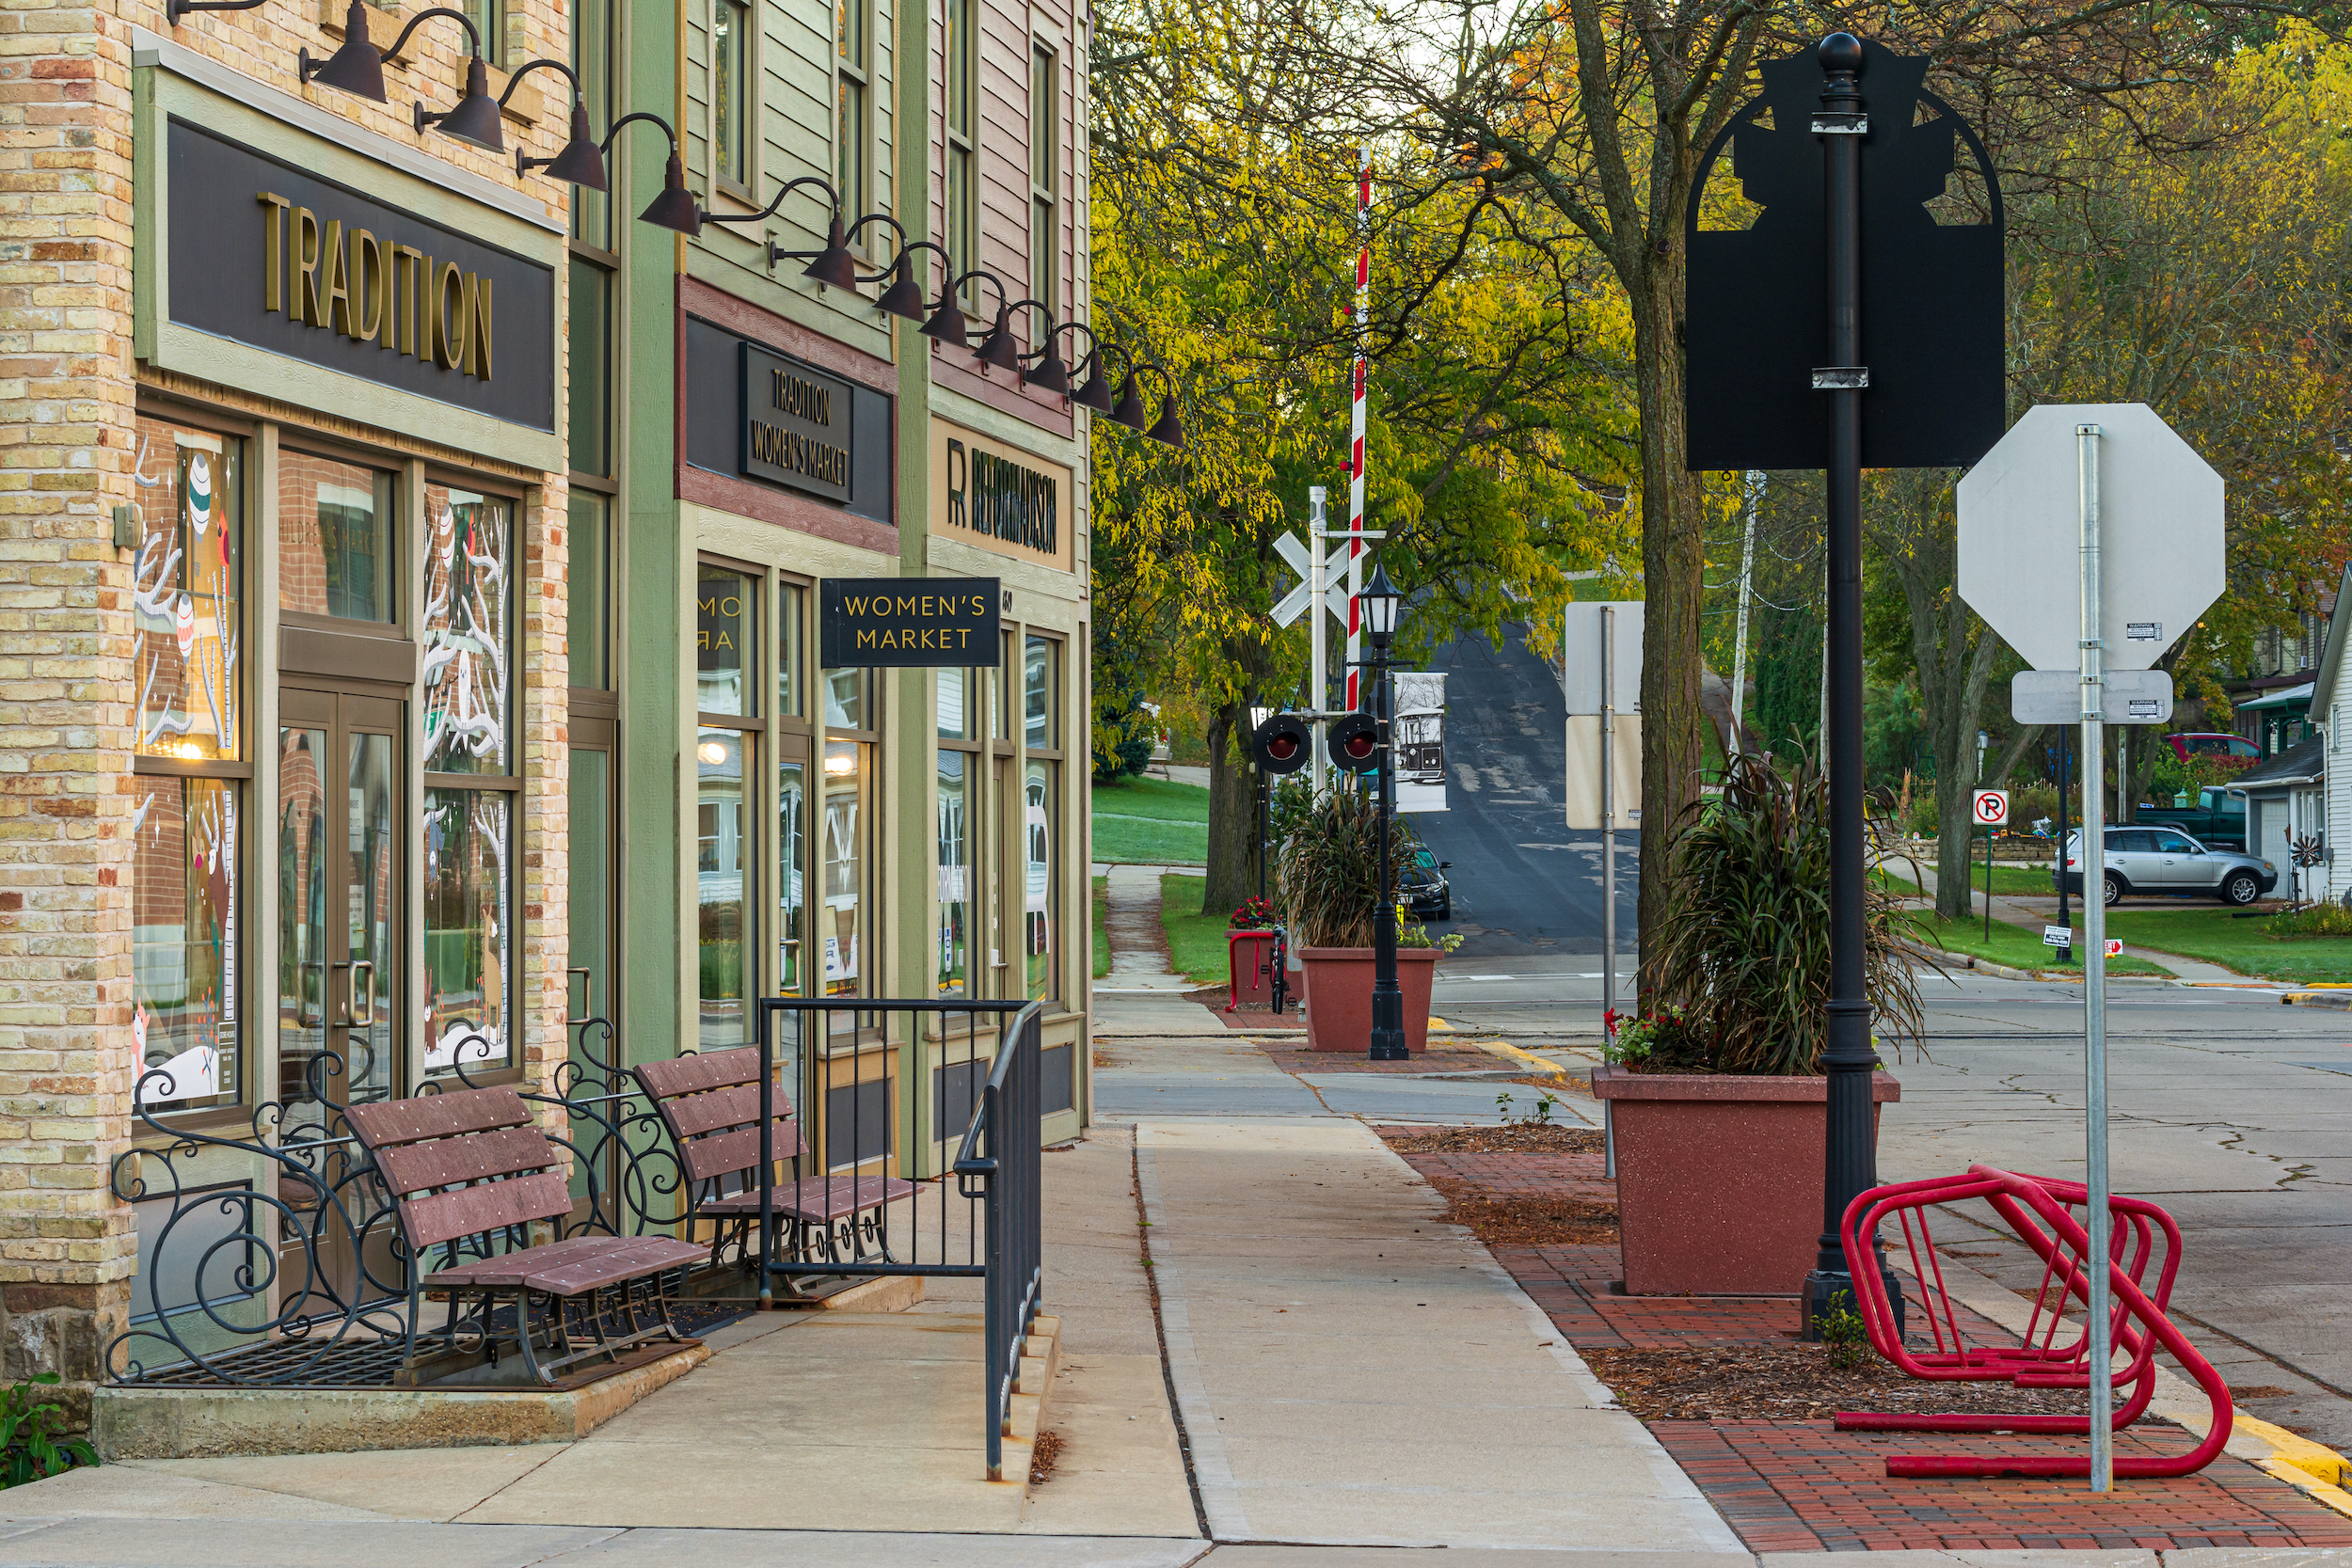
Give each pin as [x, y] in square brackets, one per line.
[709, 1104]
[469, 1171]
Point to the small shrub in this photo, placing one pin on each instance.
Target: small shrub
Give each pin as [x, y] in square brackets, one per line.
[29, 1448]
[1252, 914]
[2317, 920]
[1539, 1116]
[1846, 1336]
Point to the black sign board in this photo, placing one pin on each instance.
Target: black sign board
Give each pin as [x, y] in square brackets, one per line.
[796, 424]
[269, 255]
[1757, 324]
[899, 622]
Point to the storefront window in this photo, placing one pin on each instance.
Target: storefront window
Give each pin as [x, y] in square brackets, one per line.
[723, 627]
[469, 945]
[789, 671]
[845, 700]
[184, 592]
[955, 721]
[953, 977]
[466, 637]
[590, 383]
[190, 667]
[335, 538]
[791, 807]
[722, 851]
[1041, 927]
[1037, 692]
[464, 632]
[184, 940]
[845, 828]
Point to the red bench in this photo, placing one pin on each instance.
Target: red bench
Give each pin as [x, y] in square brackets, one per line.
[709, 1104]
[470, 1173]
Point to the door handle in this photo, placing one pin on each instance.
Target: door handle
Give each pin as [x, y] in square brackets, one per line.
[302, 1002]
[352, 992]
[587, 996]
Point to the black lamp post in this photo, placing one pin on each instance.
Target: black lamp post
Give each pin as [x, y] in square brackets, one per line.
[1381, 601]
[1257, 716]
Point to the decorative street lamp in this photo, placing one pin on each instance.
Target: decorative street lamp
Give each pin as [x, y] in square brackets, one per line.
[1380, 601]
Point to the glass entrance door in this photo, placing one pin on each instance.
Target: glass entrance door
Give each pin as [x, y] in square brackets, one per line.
[339, 898]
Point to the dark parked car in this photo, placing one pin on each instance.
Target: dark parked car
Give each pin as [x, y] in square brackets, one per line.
[2217, 820]
[1425, 892]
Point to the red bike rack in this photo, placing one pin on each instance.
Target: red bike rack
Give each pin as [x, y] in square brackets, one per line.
[2041, 1211]
[1260, 966]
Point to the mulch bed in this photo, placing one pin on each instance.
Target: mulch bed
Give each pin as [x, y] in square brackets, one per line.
[1512, 1138]
[1042, 1457]
[1516, 1220]
[1727, 1383]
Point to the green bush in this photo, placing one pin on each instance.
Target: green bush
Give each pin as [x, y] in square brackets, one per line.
[2319, 920]
[29, 1446]
[1743, 942]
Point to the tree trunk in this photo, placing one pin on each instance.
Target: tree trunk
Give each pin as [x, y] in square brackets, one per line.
[1672, 569]
[1233, 813]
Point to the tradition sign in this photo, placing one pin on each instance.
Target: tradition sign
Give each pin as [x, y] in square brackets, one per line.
[796, 425]
[910, 623]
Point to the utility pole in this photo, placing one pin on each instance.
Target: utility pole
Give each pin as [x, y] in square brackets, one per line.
[1317, 770]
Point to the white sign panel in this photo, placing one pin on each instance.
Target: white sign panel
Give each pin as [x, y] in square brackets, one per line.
[2125, 697]
[2057, 936]
[1583, 780]
[2160, 514]
[1992, 807]
[1420, 739]
[1581, 642]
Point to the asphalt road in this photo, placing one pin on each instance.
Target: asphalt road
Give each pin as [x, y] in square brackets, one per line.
[1523, 884]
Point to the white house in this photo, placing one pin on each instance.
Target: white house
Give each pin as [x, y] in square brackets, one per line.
[2331, 706]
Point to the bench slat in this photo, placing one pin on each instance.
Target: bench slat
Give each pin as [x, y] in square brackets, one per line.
[706, 1070]
[694, 1114]
[445, 1216]
[384, 1123]
[817, 1200]
[726, 1153]
[570, 1267]
[444, 1162]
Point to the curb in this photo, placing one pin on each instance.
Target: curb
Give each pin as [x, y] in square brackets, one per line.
[2340, 1001]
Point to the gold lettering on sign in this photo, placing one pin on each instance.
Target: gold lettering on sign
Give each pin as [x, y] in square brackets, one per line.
[274, 251]
[375, 290]
[306, 260]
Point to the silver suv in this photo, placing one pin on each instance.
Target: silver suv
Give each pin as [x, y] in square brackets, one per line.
[2160, 860]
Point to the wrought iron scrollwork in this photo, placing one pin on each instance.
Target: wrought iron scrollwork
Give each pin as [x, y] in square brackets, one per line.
[279, 1261]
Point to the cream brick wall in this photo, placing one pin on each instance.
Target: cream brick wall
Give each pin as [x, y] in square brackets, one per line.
[67, 390]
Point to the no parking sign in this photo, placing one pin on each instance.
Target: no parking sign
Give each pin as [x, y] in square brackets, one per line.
[1992, 808]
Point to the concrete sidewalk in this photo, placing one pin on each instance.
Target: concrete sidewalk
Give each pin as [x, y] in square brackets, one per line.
[1351, 1369]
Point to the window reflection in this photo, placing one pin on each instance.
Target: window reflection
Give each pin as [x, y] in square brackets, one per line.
[464, 632]
[954, 902]
[334, 538]
[722, 855]
[791, 805]
[723, 623]
[467, 888]
[1039, 928]
[185, 597]
[1037, 691]
[843, 921]
[184, 941]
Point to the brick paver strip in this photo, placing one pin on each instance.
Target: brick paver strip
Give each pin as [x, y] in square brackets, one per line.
[1802, 1486]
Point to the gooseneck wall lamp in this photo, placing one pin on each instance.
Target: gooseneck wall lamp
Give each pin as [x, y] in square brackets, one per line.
[676, 208]
[582, 162]
[357, 68]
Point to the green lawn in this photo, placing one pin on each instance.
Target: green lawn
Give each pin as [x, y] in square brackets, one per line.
[2244, 945]
[1101, 926]
[1150, 822]
[2006, 879]
[1196, 942]
[2020, 948]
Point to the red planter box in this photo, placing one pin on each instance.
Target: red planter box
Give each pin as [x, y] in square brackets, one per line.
[1338, 1016]
[1719, 1177]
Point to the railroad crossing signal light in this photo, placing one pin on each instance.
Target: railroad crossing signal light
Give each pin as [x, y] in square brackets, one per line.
[1281, 745]
[1355, 742]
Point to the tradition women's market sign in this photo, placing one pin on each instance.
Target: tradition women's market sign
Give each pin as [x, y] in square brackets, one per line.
[796, 424]
[899, 622]
[266, 254]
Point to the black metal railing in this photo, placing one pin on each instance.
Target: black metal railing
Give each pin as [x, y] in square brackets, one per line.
[275, 1257]
[845, 1219]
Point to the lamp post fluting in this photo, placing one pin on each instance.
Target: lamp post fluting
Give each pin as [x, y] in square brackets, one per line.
[1380, 600]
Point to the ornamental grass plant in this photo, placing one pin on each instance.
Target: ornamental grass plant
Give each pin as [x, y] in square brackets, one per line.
[1328, 868]
[1742, 968]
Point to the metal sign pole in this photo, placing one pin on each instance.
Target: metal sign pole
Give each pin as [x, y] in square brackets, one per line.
[1608, 813]
[1315, 612]
[2095, 970]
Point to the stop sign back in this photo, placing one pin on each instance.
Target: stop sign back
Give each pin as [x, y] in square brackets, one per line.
[1991, 807]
